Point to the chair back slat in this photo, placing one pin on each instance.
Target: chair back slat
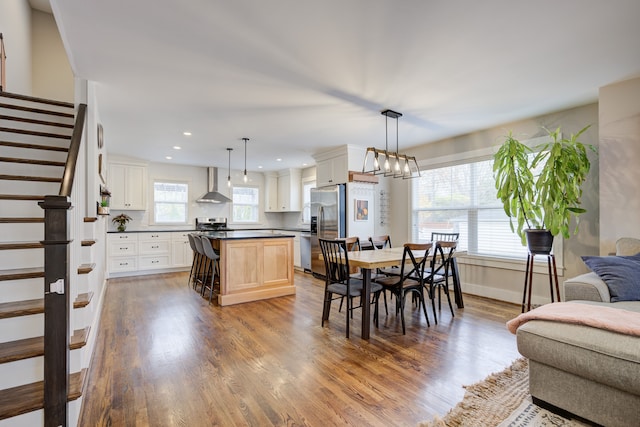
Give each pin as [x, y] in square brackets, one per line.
[384, 239]
[336, 260]
[444, 237]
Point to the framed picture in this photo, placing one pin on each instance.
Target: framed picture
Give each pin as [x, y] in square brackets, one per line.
[362, 210]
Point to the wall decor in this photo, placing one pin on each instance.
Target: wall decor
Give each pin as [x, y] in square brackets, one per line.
[362, 210]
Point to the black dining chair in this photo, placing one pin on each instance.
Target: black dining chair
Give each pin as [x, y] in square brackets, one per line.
[340, 282]
[436, 276]
[410, 279]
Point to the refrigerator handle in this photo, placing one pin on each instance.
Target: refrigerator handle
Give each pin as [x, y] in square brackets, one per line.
[321, 221]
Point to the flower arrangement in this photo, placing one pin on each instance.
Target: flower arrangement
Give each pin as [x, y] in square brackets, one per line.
[122, 221]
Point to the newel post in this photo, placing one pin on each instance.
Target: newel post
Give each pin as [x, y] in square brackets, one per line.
[56, 309]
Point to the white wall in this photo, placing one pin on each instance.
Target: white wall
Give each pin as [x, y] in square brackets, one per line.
[15, 26]
[501, 281]
[52, 77]
[619, 162]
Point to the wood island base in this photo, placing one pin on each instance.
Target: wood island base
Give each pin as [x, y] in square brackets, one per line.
[255, 268]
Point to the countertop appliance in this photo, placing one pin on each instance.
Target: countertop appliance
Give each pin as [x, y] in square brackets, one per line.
[212, 224]
[328, 220]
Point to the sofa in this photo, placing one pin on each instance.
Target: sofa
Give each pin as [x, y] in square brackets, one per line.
[582, 371]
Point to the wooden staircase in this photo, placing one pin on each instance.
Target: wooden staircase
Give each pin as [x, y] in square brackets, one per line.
[34, 141]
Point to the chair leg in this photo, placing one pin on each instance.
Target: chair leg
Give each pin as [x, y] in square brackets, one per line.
[401, 303]
[424, 306]
[432, 297]
[446, 289]
[326, 307]
[349, 312]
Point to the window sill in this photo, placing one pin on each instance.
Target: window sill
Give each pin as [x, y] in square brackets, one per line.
[540, 263]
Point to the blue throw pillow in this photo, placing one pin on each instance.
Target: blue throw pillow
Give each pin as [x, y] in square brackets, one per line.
[620, 273]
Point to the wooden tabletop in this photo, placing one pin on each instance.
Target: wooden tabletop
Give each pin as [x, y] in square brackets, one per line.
[379, 258]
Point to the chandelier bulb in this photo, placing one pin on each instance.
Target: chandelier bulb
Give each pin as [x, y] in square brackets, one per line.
[245, 178]
[397, 165]
[387, 167]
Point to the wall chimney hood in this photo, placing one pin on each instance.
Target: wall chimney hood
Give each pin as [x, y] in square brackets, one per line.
[213, 195]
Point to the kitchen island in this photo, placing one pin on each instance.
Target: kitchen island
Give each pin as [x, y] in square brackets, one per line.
[253, 265]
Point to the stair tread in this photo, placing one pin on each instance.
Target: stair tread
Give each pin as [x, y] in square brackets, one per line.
[33, 146]
[90, 219]
[30, 178]
[21, 220]
[20, 245]
[35, 99]
[36, 306]
[86, 268]
[21, 273]
[36, 121]
[21, 308]
[30, 397]
[83, 300]
[31, 161]
[35, 133]
[88, 242]
[34, 347]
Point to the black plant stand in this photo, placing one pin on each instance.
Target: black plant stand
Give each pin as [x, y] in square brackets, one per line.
[528, 278]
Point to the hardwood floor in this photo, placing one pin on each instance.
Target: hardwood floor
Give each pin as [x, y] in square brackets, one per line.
[164, 357]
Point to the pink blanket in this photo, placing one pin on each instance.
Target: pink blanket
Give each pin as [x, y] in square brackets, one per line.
[596, 316]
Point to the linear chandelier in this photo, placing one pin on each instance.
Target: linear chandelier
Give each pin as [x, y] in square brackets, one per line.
[390, 163]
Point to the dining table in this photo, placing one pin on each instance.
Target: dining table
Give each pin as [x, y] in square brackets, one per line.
[382, 258]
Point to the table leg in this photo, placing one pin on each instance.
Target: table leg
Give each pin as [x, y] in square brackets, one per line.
[457, 289]
[366, 304]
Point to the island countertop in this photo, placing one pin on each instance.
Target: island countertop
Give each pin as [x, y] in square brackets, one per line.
[241, 235]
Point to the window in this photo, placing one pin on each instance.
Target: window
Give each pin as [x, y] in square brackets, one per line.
[462, 199]
[245, 204]
[306, 200]
[170, 202]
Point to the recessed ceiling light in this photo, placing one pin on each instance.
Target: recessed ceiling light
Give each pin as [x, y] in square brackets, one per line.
[168, 157]
[304, 164]
[259, 167]
[177, 147]
[278, 160]
[186, 133]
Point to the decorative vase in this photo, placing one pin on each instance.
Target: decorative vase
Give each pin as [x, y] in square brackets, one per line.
[539, 241]
[122, 227]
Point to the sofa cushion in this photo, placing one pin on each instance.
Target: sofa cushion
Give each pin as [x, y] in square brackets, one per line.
[620, 273]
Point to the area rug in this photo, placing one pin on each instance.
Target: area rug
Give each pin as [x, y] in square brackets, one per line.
[503, 400]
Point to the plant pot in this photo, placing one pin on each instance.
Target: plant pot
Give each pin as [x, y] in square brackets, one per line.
[103, 210]
[122, 227]
[539, 241]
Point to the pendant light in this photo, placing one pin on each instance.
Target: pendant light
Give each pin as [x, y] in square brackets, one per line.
[395, 165]
[229, 175]
[245, 178]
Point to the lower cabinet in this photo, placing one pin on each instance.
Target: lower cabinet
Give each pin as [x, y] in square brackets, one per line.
[136, 253]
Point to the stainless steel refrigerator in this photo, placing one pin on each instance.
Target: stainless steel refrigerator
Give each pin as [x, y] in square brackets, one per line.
[328, 220]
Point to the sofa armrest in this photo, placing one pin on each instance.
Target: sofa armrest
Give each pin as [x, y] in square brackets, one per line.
[587, 287]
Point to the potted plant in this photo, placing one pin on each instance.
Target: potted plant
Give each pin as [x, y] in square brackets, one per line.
[122, 221]
[103, 208]
[541, 188]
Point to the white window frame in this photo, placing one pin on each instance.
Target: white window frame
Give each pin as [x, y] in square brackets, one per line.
[152, 217]
[519, 264]
[256, 205]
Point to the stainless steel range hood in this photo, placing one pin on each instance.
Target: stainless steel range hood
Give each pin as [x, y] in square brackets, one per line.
[213, 195]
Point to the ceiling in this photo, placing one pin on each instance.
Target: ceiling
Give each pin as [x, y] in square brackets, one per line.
[299, 77]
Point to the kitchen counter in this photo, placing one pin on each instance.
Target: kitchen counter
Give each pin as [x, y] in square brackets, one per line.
[253, 265]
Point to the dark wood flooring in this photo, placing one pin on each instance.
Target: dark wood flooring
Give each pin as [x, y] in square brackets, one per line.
[165, 357]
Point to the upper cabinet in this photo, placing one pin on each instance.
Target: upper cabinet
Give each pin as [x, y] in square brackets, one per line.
[332, 167]
[128, 186]
[282, 191]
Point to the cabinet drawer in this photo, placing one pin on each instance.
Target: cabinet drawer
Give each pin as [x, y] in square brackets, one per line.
[123, 237]
[179, 236]
[119, 264]
[151, 262]
[151, 247]
[123, 248]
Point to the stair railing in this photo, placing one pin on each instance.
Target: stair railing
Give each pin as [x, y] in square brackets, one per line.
[3, 59]
[56, 286]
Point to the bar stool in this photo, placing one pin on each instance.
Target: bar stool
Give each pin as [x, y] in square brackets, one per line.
[211, 268]
[196, 258]
[199, 273]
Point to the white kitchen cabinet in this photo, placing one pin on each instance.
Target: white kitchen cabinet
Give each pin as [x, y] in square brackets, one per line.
[154, 250]
[123, 252]
[282, 191]
[271, 193]
[128, 186]
[181, 253]
[331, 171]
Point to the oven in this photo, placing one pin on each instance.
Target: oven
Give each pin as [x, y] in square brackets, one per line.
[212, 224]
